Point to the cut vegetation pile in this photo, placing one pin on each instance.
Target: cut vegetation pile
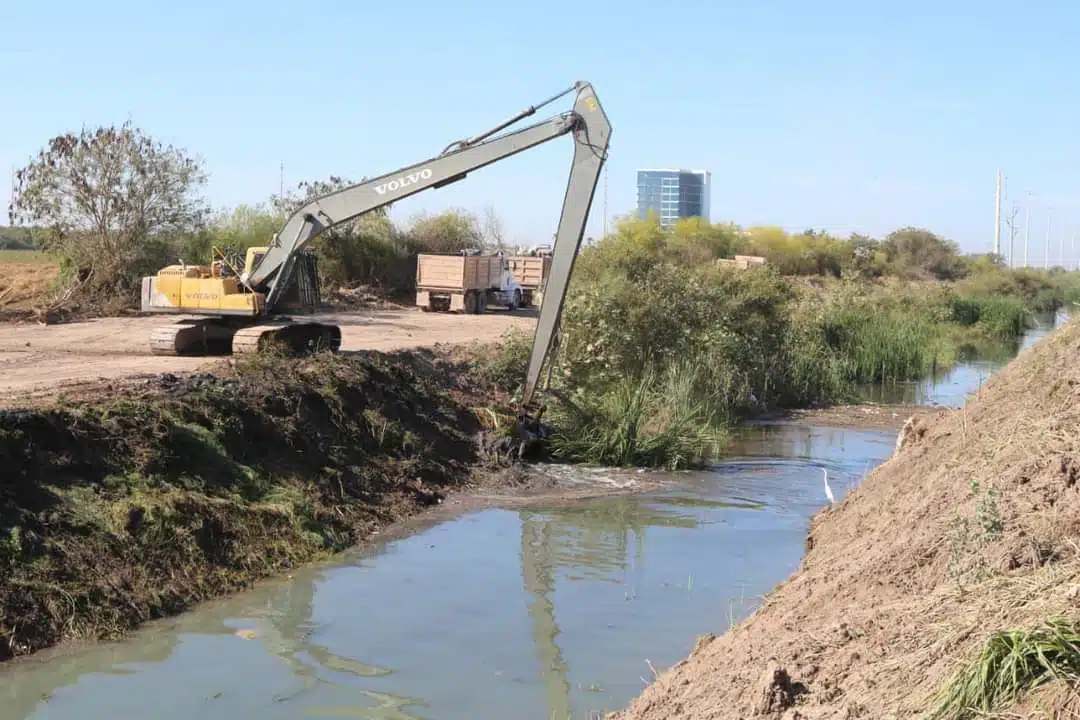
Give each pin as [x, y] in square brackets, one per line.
[946, 586]
[138, 505]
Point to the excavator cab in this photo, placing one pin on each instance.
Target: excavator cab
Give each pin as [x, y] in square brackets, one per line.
[253, 257]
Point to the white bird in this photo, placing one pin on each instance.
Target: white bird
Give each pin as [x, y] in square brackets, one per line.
[828, 490]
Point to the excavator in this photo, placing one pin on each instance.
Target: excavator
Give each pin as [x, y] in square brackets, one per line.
[243, 310]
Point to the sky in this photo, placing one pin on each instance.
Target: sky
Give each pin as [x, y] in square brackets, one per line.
[842, 116]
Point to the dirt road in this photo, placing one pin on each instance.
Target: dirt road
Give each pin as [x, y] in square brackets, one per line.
[39, 361]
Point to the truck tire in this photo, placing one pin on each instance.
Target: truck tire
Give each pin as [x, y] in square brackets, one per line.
[515, 301]
[472, 302]
[481, 302]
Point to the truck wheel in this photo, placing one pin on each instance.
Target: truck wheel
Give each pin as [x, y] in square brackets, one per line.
[471, 302]
[515, 302]
[481, 302]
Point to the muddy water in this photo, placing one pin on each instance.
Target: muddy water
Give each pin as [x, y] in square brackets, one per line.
[546, 613]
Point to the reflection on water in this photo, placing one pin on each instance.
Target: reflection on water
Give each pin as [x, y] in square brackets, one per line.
[541, 613]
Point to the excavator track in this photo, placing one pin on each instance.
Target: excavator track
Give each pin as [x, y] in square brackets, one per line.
[211, 337]
[299, 338]
[190, 337]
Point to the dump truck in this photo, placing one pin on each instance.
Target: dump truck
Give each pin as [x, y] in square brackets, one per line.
[530, 271]
[465, 283]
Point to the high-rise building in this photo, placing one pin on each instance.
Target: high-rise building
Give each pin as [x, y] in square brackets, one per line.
[673, 194]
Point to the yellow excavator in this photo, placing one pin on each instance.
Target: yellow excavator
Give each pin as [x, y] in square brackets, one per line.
[241, 310]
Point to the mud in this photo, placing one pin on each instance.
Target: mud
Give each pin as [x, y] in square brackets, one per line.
[968, 530]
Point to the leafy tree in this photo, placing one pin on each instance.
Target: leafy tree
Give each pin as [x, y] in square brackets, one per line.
[921, 252]
[446, 232]
[695, 240]
[867, 258]
[110, 202]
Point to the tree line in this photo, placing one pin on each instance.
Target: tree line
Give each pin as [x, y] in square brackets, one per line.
[114, 204]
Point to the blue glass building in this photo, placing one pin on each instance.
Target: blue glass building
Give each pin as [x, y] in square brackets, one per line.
[673, 194]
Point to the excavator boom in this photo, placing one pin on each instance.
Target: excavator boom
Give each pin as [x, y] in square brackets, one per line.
[340, 206]
[235, 303]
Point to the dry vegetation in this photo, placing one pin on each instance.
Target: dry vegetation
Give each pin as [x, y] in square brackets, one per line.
[970, 532]
[27, 280]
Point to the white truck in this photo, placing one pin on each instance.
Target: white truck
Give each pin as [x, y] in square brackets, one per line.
[465, 283]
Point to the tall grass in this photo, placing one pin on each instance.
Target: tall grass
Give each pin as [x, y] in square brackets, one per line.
[658, 419]
[877, 346]
[1011, 664]
[1000, 317]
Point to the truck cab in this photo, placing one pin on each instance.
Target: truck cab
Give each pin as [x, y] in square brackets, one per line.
[509, 291]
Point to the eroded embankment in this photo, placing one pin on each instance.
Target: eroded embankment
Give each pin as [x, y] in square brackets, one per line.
[971, 529]
[136, 506]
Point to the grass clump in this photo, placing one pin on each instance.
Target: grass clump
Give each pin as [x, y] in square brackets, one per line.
[882, 347]
[655, 420]
[1011, 664]
[1000, 317]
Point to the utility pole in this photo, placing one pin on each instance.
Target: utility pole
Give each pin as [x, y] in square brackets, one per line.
[281, 181]
[1027, 228]
[1013, 231]
[1046, 245]
[997, 216]
[1061, 244]
[1072, 248]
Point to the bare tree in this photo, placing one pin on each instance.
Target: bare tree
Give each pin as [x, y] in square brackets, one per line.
[494, 237]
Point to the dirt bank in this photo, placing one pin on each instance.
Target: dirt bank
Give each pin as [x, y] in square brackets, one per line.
[176, 489]
[971, 529]
[40, 361]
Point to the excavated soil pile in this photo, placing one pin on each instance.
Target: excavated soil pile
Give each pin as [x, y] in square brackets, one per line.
[972, 528]
[135, 506]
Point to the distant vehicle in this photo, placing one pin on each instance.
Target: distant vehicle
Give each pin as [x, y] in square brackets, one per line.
[465, 283]
[531, 272]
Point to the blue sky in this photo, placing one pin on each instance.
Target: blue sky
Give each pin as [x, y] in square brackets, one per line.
[834, 115]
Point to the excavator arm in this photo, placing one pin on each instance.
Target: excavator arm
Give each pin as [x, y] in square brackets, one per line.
[591, 132]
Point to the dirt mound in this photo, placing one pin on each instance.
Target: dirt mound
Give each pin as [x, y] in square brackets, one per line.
[180, 488]
[972, 528]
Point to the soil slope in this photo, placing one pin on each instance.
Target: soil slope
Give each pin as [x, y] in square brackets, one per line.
[139, 504]
[972, 528]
